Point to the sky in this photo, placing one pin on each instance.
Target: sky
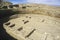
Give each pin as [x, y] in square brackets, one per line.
[50, 2]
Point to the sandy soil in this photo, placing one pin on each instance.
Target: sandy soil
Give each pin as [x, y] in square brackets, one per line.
[40, 27]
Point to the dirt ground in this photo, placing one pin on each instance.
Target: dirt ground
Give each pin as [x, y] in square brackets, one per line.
[41, 23]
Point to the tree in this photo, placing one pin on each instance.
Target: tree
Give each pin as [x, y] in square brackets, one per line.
[1, 1]
[4, 3]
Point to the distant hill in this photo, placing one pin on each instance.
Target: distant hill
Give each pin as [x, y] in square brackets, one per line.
[39, 9]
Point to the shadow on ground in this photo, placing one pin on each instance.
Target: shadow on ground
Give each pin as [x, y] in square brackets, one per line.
[4, 17]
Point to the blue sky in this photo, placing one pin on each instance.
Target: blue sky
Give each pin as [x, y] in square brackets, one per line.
[18, 1]
[51, 2]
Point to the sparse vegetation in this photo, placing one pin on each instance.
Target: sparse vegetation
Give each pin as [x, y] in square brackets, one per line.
[24, 7]
[4, 3]
[41, 9]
